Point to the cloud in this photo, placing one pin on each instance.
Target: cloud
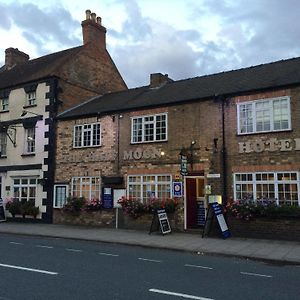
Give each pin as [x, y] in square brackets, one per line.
[45, 29]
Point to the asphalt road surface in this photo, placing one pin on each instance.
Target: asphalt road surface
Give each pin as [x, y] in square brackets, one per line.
[47, 268]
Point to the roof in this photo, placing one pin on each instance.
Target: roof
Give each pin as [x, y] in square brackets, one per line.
[36, 69]
[272, 75]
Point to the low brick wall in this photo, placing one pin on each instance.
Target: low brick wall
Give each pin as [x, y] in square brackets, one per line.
[107, 218]
[287, 228]
[102, 218]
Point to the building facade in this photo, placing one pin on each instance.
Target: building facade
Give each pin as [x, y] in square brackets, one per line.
[32, 92]
[232, 135]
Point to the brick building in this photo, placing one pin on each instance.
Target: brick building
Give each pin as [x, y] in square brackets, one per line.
[32, 92]
[239, 131]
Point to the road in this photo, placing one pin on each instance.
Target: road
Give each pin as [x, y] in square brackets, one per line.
[47, 268]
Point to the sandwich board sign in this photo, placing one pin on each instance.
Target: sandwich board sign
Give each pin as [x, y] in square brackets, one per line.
[215, 210]
[160, 221]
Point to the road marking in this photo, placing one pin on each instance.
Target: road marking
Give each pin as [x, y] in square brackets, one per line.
[42, 246]
[28, 269]
[16, 243]
[73, 250]
[196, 266]
[178, 294]
[107, 254]
[150, 260]
[255, 274]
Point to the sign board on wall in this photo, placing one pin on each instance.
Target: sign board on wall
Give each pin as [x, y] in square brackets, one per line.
[183, 165]
[107, 198]
[177, 189]
[118, 194]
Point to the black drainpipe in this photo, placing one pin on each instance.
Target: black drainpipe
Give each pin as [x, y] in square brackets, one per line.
[224, 151]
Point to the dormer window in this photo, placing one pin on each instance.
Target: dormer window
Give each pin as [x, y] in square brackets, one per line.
[31, 98]
[4, 104]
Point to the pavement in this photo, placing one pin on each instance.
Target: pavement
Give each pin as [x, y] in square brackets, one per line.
[283, 252]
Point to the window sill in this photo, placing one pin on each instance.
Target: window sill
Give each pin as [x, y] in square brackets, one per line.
[148, 142]
[4, 111]
[264, 132]
[86, 147]
[28, 106]
[27, 154]
[3, 156]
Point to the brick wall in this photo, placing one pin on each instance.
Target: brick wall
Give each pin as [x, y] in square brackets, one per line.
[90, 73]
[197, 121]
[265, 160]
[92, 161]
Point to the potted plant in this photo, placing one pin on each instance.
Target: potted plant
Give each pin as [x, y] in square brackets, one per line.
[13, 206]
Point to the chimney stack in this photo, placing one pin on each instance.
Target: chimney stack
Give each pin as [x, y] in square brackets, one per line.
[158, 79]
[92, 30]
[13, 56]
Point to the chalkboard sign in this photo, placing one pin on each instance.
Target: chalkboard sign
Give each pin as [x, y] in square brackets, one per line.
[160, 221]
[200, 213]
[215, 209]
[107, 198]
[2, 212]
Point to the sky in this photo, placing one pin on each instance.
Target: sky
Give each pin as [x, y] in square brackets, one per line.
[181, 38]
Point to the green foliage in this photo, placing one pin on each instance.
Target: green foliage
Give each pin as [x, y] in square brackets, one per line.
[16, 207]
[247, 210]
[135, 208]
[74, 204]
[78, 204]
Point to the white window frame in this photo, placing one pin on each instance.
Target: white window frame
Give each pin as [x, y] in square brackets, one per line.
[142, 183]
[31, 98]
[55, 194]
[30, 136]
[144, 123]
[254, 110]
[4, 104]
[22, 185]
[94, 141]
[275, 181]
[84, 179]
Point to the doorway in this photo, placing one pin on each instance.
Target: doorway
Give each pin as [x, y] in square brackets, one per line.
[195, 198]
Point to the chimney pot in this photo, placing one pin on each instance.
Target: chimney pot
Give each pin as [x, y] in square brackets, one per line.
[93, 32]
[88, 14]
[93, 15]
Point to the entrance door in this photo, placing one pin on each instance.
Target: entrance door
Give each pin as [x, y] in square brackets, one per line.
[194, 193]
